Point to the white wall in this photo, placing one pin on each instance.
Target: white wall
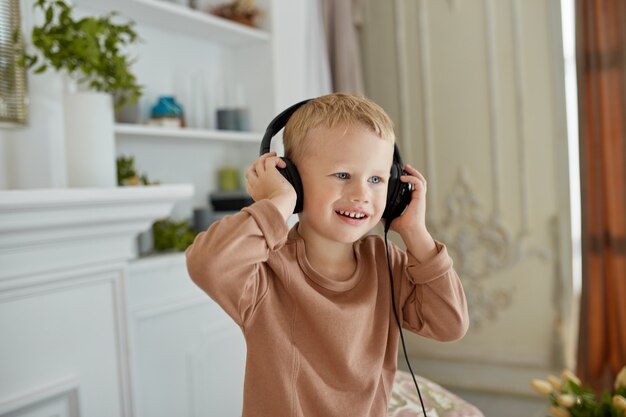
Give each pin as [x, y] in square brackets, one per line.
[35, 153]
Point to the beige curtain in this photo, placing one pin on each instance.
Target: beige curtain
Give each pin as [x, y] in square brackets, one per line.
[342, 19]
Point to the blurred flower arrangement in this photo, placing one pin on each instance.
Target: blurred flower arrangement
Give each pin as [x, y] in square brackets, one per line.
[568, 398]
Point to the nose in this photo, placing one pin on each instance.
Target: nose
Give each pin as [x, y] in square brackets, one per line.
[358, 192]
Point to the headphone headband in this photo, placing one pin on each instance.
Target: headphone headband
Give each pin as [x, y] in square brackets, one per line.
[281, 120]
[396, 155]
[278, 123]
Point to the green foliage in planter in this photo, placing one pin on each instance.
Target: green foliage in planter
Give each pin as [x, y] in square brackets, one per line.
[170, 235]
[125, 169]
[89, 49]
[127, 173]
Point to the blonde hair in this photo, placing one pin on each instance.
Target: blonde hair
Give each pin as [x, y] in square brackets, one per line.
[330, 111]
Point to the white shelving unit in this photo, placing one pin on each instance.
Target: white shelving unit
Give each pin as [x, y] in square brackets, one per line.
[178, 42]
[181, 19]
[130, 131]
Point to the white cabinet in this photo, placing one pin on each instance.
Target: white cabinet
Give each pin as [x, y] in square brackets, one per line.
[63, 310]
[187, 355]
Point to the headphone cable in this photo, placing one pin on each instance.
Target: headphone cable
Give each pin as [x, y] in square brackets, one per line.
[393, 306]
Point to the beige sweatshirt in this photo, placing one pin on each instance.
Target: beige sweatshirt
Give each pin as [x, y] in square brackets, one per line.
[315, 346]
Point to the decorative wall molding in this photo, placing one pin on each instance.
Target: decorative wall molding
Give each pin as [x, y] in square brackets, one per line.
[402, 76]
[185, 350]
[495, 378]
[63, 394]
[494, 106]
[477, 233]
[427, 108]
[201, 367]
[559, 353]
[54, 281]
[520, 114]
[481, 246]
[479, 355]
[166, 306]
[80, 278]
[453, 4]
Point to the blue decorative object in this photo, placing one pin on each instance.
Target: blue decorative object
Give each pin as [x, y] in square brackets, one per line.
[167, 107]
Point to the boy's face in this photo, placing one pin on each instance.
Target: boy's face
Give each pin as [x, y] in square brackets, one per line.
[345, 172]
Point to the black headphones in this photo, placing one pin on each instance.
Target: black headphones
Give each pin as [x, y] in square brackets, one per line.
[398, 192]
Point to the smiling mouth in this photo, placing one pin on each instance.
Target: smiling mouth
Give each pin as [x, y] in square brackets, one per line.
[352, 214]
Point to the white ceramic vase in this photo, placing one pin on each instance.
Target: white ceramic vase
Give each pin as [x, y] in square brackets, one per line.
[89, 139]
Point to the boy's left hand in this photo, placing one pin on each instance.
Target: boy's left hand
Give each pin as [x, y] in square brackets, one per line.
[411, 225]
[414, 216]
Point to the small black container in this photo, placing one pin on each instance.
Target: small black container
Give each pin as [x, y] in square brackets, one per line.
[229, 200]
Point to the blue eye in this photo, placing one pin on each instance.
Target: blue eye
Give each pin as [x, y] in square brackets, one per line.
[342, 175]
[376, 180]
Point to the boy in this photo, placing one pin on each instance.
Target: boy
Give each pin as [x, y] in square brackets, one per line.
[314, 302]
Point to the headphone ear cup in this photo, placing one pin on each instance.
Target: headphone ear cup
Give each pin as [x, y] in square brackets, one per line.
[290, 172]
[392, 191]
[398, 194]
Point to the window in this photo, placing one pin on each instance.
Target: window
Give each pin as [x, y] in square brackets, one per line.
[13, 97]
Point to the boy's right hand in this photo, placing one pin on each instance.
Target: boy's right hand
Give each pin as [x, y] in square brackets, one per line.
[263, 181]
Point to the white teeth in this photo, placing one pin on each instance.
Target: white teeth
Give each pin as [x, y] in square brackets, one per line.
[351, 214]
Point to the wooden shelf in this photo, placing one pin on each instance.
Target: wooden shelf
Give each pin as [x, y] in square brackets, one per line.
[123, 130]
[181, 19]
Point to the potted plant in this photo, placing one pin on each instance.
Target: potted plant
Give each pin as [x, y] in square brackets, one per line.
[90, 52]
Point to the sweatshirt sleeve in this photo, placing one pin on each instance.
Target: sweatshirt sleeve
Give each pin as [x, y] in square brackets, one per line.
[432, 297]
[227, 261]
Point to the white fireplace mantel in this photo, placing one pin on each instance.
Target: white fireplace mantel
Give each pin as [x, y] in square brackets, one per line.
[51, 229]
[64, 256]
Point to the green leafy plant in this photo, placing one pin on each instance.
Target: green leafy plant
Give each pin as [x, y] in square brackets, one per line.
[89, 49]
[127, 173]
[170, 235]
[568, 397]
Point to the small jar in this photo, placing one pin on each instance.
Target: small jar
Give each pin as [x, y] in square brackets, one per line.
[167, 112]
